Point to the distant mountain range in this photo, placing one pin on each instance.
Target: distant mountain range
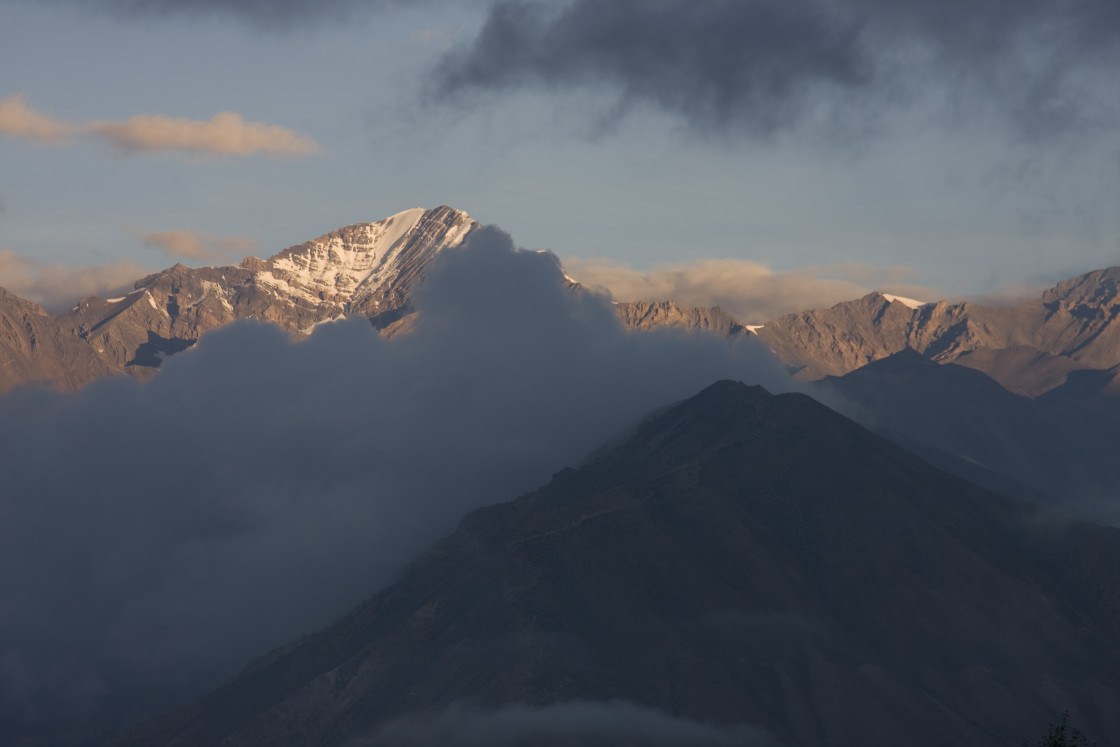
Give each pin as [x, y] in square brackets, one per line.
[1029, 348]
[740, 559]
[372, 269]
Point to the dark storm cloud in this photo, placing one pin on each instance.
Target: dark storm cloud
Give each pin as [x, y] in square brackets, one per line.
[155, 536]
[761, 65]
[265, 14]
[586, 724]
[715, 63]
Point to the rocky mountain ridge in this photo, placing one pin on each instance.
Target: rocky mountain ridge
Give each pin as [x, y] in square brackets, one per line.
[367, 268]
[1030, 348]
[372, 269]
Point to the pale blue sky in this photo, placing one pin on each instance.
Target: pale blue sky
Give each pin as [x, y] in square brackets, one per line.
[953, 192]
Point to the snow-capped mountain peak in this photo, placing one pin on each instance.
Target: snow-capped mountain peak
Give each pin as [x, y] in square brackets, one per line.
[365, 262]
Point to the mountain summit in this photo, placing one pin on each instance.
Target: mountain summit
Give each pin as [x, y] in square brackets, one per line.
[740, 559]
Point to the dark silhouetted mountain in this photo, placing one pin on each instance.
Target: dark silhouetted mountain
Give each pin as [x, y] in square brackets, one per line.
[1029, 348]
[740, 557]
[1057, 450]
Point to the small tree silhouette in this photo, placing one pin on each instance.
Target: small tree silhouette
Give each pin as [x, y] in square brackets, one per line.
[1064, 735]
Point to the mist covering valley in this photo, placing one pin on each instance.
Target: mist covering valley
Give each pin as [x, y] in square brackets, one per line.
[159, 535]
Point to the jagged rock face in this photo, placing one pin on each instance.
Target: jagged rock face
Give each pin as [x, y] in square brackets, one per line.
[368, 268]
[656, 314]
[1029, 348]
[840, 339]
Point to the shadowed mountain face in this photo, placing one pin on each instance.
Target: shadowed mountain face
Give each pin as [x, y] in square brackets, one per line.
[740, 558]
[1029, 348]
[1058, 449]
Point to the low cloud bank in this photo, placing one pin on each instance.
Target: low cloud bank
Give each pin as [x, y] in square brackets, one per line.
[156, 536]
[583, 723]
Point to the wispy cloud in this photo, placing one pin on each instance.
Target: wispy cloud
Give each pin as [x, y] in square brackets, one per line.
[17, 120]
[224, 134]
[749, 291]
[199, 245]
[56, 287]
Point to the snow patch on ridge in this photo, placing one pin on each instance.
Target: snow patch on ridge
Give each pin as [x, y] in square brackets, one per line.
[210, 288]
[909, 302]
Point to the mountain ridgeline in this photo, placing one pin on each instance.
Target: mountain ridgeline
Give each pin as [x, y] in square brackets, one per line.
[1030, 348]
[372, 269]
